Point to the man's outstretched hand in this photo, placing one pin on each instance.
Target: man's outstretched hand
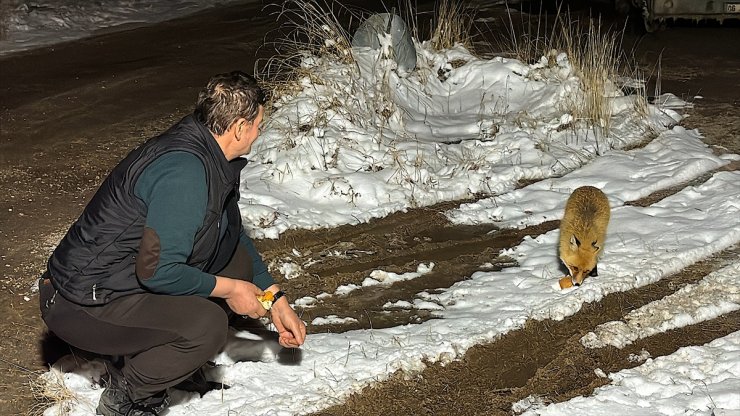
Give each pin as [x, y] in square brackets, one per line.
[242, 298]
[290, 328]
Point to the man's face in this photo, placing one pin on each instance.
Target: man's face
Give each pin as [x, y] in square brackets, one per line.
[249, 132]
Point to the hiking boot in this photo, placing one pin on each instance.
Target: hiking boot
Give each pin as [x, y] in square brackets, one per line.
[115, 400]
[199, 383]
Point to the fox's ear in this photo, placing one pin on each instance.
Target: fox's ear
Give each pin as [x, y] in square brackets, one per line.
[574, 241]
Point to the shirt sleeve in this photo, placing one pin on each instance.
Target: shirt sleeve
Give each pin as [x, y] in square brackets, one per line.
[261, 275]
[174, 189]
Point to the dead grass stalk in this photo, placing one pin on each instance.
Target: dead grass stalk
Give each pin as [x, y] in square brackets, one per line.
[452, 25]
[49, 389]
[310, 27]
[595, 54]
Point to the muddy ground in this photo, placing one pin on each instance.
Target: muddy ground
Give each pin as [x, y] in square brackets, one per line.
[68, 113]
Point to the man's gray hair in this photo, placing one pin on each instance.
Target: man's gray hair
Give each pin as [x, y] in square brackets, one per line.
[227, 98]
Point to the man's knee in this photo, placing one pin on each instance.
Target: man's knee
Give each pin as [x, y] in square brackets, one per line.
[208, 327]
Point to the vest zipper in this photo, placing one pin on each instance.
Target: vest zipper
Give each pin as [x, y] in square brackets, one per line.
[214, 256]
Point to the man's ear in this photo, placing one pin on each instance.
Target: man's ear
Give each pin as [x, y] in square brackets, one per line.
[242, 124]
[236, 127]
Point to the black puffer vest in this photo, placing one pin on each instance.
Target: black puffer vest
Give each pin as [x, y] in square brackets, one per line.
[95, 262]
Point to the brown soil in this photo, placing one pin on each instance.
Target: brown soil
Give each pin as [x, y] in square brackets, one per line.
[69, 113]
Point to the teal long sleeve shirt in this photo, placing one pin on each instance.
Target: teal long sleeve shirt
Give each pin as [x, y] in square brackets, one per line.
[174, 189]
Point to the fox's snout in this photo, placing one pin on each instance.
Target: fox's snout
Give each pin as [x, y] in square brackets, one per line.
[577, 281]
[579, 275]
[577, 278]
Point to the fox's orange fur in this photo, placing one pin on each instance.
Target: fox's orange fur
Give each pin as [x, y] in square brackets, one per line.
[583, 231]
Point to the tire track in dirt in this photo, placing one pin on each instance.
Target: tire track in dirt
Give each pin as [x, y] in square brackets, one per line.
[544, 358]
[454, 260]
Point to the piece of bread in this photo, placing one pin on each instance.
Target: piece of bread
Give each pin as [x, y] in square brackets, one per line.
[566, 282]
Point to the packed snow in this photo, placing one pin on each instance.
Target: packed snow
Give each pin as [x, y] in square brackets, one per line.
[367, 141]
[715, 295]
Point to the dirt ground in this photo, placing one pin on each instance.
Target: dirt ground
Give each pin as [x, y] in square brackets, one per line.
[68, 113]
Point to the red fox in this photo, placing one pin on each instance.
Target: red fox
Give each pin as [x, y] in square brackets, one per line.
[583, 231]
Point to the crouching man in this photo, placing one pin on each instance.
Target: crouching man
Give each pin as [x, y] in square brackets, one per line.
[132, 276]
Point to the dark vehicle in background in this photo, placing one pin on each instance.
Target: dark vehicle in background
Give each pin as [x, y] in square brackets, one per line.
[655, 13]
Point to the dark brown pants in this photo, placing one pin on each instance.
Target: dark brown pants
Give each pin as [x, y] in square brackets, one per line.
[162, 338]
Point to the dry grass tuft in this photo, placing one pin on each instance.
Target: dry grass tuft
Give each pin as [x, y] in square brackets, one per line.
[48, 389]
[594, 52]
[526, 40]
[452, 25]
[309, 28]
